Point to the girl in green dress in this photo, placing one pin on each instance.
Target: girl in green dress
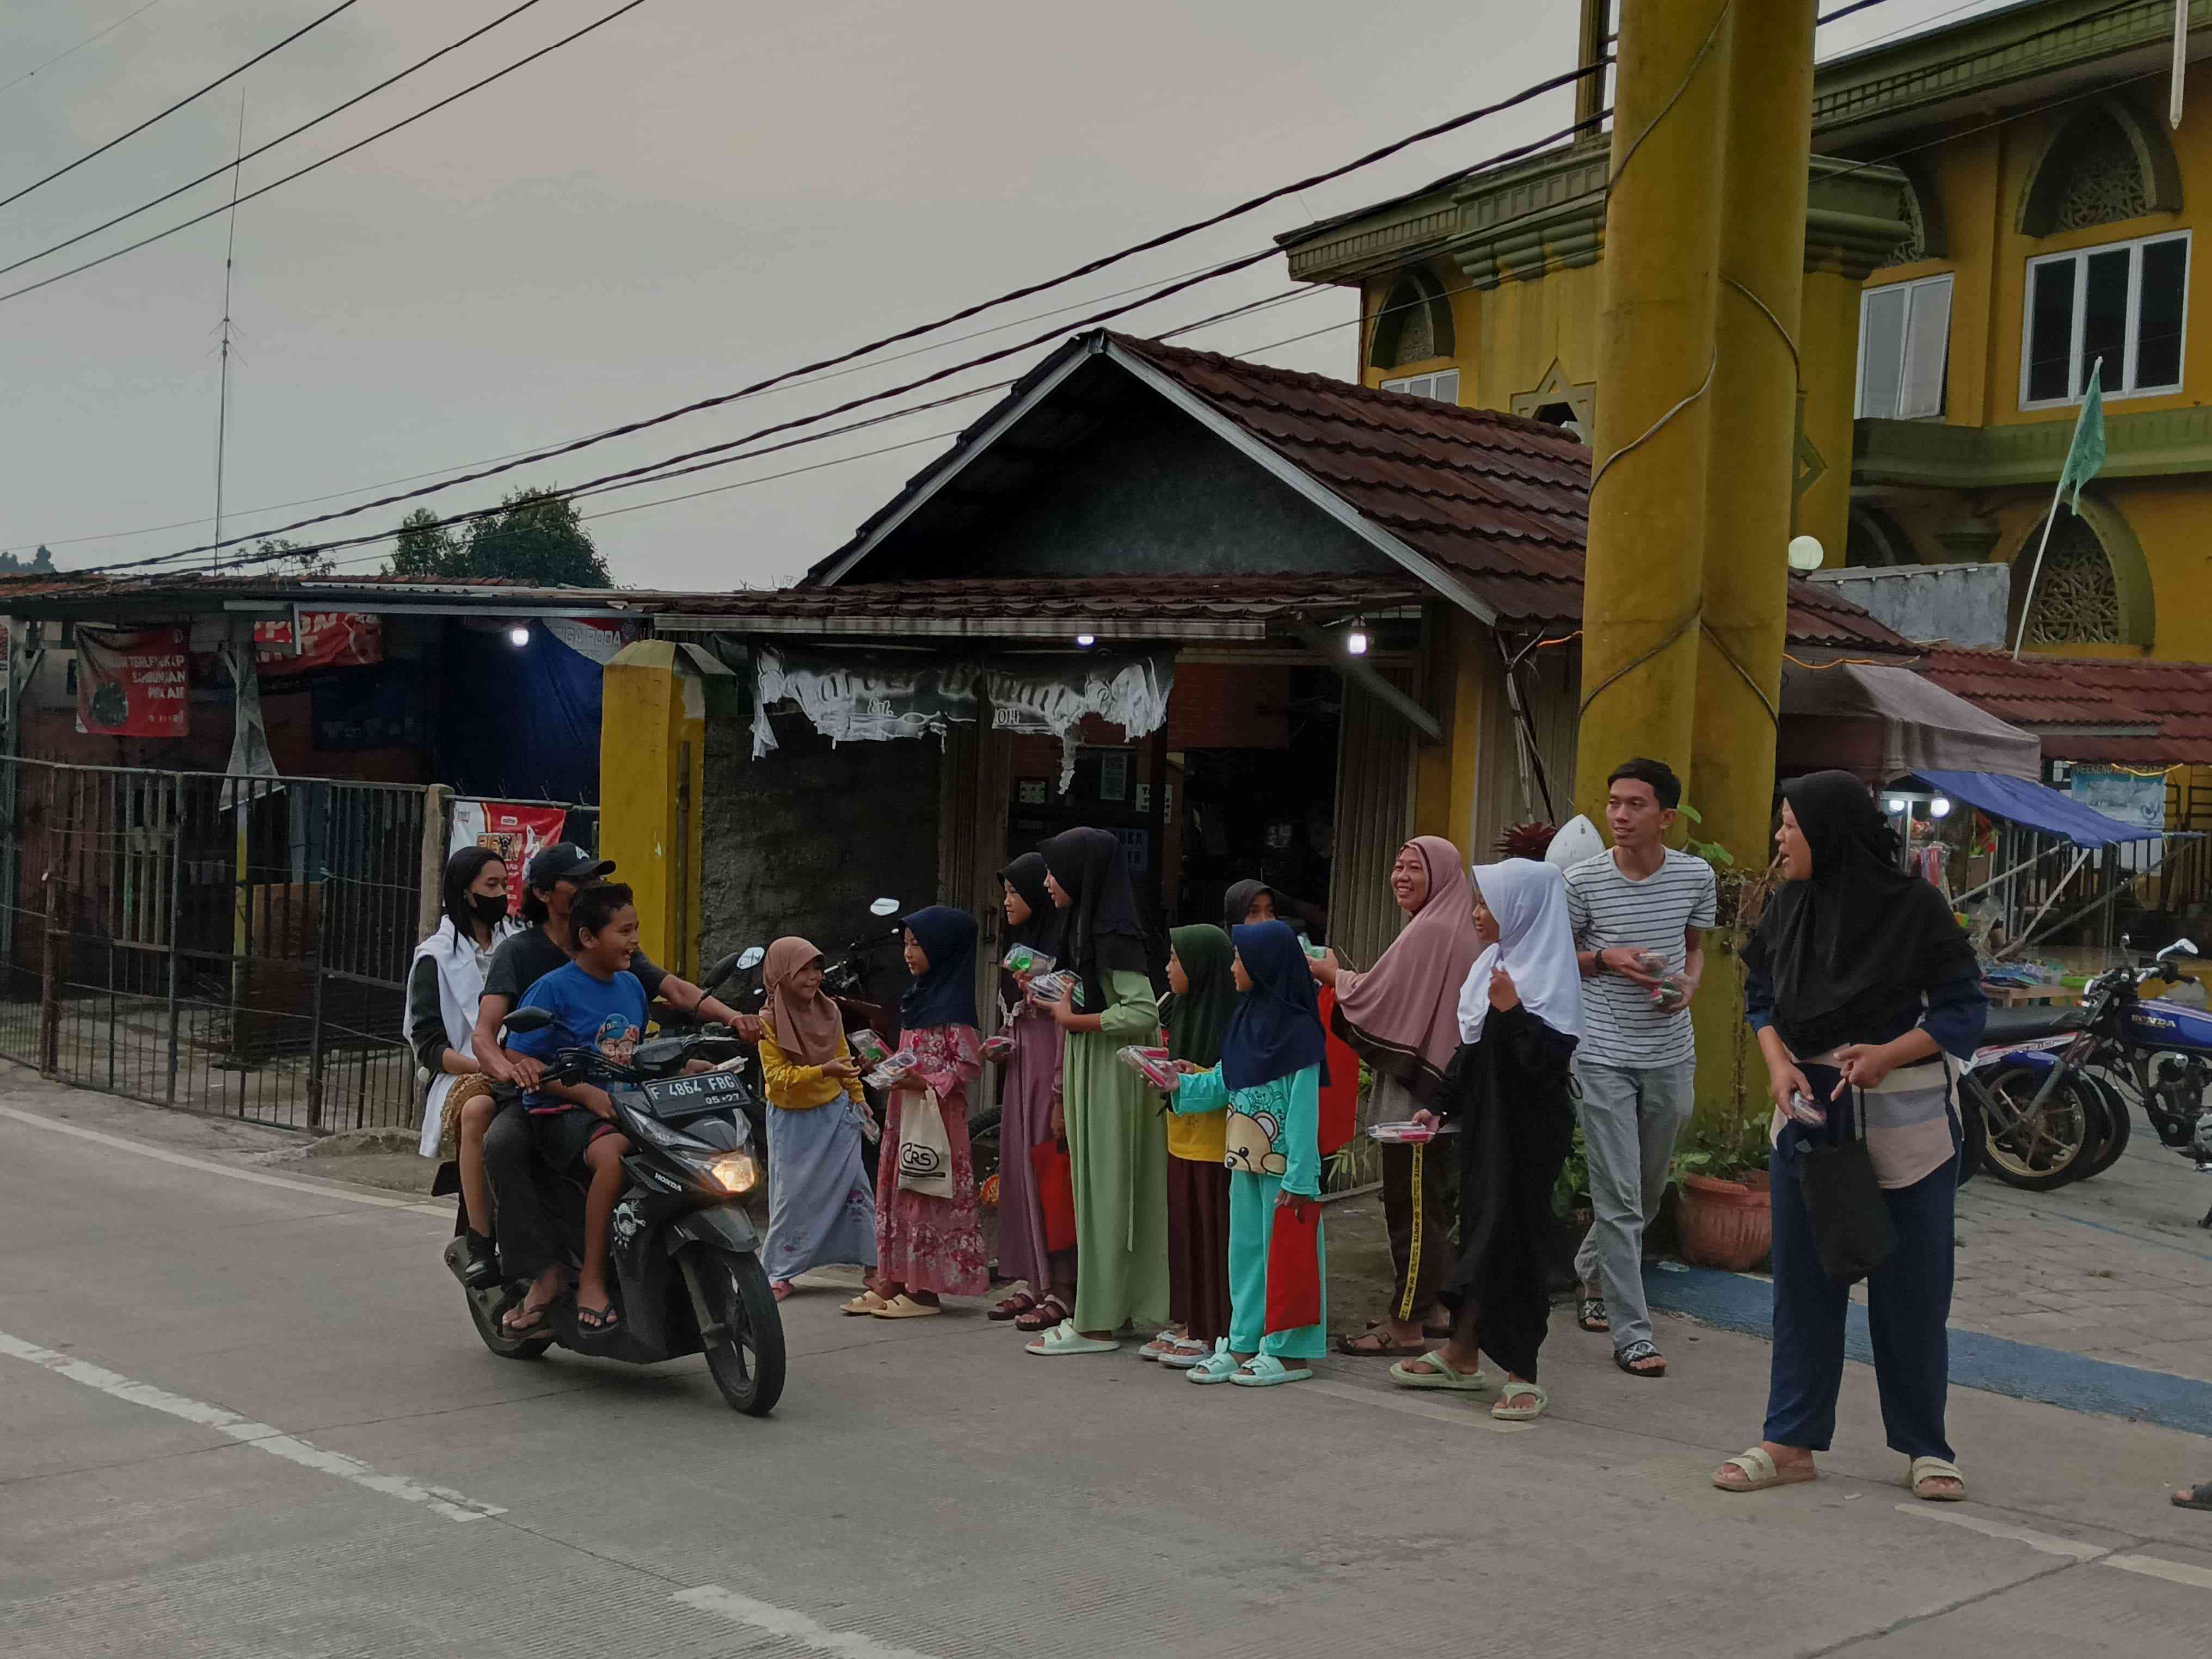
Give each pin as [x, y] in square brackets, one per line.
[1117, 1147]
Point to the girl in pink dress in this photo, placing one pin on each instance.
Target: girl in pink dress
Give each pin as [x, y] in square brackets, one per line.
[926, 1247]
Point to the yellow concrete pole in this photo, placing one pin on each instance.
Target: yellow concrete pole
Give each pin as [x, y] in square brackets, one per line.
[1655, 350]
[1753, 420]
[652, 761]
[1748, 483]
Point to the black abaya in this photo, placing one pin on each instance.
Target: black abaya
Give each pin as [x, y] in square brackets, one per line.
[1509, 1094]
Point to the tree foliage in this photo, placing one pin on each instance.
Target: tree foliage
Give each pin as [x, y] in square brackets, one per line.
[535, 537]
[41, 564]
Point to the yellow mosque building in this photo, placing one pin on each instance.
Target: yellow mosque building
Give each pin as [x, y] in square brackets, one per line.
[1995, 207]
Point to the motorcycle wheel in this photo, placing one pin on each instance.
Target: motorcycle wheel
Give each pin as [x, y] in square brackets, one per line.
[747, 1364]
[2122, 1126]
[507, 1347]
[2043, 1153]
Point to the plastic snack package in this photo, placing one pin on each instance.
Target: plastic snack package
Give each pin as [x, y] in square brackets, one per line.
[999, 1047]
[894, 1070]
[1054, 987]
[1408, 1134]
[867, 1048]
[1028, 959]
[1150, 1064]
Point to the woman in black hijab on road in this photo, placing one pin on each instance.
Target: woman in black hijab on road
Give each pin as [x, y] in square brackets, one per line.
[1862, 989]
[1117, 1149]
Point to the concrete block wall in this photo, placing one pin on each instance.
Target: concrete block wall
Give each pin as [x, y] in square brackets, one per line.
[800, 841]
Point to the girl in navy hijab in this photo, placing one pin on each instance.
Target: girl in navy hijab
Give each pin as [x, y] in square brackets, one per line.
[928, 1247]
[1269, 1082]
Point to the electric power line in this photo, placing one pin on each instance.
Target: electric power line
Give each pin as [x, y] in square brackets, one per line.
[217, 172]
[89, 40]
[1221, 270]
[121, 138]
[301, 173]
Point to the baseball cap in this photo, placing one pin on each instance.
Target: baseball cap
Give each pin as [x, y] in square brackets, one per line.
[565, 861]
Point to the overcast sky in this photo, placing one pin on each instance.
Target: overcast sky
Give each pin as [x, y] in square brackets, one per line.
[702, 193]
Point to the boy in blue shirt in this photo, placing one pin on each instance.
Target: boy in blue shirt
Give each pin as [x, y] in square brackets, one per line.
[596, 1003]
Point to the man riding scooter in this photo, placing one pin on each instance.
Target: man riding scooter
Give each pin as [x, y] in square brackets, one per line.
[530, 1246]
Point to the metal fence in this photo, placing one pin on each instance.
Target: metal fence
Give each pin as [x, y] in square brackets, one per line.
[224, 944]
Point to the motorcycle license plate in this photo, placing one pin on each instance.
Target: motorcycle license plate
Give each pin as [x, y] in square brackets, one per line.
[707, 1088]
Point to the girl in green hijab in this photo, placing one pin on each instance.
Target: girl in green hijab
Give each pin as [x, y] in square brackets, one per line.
[1198, 1178]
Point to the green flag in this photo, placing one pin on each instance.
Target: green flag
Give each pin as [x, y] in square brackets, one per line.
[2087, 453]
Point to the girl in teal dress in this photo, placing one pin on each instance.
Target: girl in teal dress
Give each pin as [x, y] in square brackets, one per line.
[1269, 1082]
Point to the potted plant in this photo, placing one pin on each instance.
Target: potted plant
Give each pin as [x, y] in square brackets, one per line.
[1723, 1214]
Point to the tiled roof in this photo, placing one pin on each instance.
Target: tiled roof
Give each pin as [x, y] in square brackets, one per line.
[1497, 501]
[2090, 709]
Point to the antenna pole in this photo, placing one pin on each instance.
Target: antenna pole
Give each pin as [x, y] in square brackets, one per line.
[222, 395]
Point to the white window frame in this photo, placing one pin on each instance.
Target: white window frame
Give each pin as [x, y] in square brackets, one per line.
[1912, 292]
[2122, 384]
[1428, 385]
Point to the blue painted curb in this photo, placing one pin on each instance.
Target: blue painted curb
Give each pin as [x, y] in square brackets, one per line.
[1733, 1302]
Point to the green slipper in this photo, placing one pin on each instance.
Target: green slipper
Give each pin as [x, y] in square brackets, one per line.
[1266, 1372]
[1441, 1375]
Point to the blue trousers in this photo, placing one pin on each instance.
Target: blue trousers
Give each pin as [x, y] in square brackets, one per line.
[1908, 1306]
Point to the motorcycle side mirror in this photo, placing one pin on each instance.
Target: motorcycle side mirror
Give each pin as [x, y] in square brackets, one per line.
[753, 958]
[722, 970]
[522, 1020]
[883, 907]
[2180, 947]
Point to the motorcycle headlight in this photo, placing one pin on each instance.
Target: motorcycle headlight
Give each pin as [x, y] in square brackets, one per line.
[735, 1173]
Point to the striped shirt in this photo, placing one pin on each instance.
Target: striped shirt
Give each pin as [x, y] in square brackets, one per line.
[1608, 911]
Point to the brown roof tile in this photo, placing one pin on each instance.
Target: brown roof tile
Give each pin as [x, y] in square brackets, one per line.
[2090, 709]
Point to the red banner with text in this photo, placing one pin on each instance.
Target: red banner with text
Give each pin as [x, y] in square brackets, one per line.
[515, 833]
[326, 639]
[132, 684]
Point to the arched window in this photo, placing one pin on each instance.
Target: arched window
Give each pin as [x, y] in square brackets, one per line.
[1876, 540]
[2077, 602]
[2103, 167]
[1919, 206]
[1416, 324]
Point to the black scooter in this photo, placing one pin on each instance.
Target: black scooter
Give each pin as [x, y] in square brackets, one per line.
[688, 1277]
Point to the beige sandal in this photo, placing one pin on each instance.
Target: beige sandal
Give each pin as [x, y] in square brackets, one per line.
[1925, 1469]
[863, 1304]
[1760, 1472]
[1534, 1399]
[905, 1307]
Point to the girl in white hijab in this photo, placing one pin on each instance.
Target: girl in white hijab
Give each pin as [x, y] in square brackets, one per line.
[1520, 1015]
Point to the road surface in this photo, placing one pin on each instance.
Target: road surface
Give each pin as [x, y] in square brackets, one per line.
[245, 1415]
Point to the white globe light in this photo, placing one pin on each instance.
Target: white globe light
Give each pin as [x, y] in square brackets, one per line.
[1806, 553]
[1896, 804]
[1940, 807]
[1086, 640]
[517, 637]
[1356, 643]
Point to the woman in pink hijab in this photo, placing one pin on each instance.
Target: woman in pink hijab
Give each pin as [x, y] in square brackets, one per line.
[1401, 1018]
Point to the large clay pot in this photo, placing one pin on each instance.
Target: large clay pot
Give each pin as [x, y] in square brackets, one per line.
[1725, 1224]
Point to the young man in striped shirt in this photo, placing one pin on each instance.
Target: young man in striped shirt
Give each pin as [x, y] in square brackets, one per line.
[1640, 914]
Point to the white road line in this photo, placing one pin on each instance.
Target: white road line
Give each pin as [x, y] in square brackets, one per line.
[450, 1504]
[2151, 1566]
[791, 1625]
[163, 1155]
[2035, 1540]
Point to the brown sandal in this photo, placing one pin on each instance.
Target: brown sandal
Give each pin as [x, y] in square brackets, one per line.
[1378, 1343]
[1014, 1306]
[1043, 1317]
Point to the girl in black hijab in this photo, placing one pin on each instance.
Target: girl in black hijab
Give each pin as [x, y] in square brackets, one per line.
[1864, 993]
[1029, 1098]
[1117, 1148]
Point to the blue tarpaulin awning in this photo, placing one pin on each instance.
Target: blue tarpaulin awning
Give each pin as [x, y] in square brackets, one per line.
[2037, 806]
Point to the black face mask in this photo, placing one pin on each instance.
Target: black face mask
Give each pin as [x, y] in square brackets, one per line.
[491, 910]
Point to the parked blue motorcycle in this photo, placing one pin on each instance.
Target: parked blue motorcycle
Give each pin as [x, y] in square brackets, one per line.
[2045, 1079]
